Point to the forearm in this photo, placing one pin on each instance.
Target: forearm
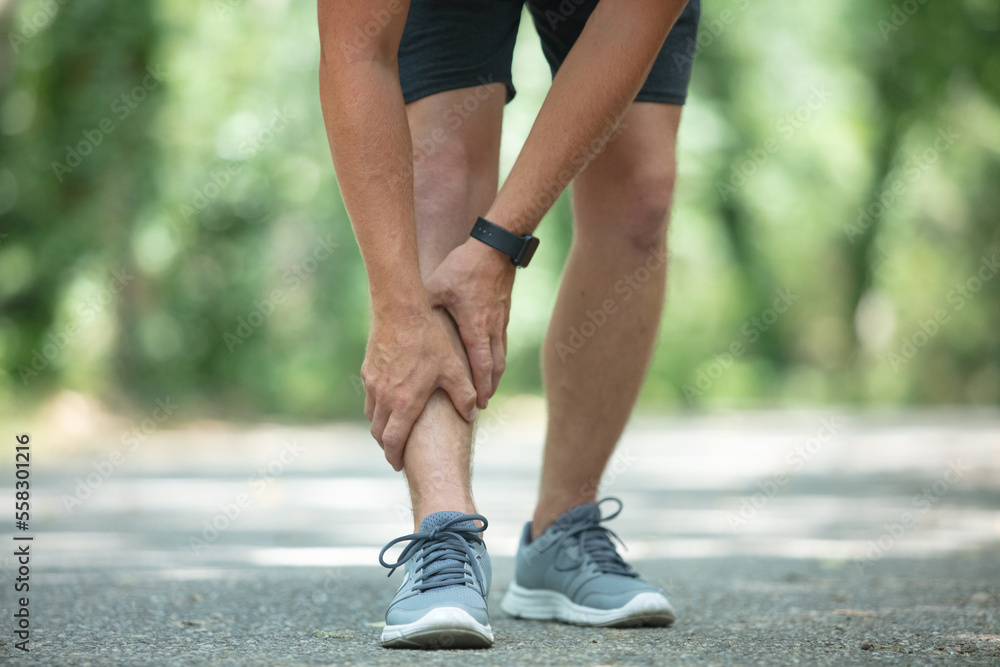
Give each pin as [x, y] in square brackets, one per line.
[370, 142]
[593, 89]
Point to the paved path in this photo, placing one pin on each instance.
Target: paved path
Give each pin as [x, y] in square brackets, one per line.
[782, 538]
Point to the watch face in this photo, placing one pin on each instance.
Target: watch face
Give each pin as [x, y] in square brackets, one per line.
[527, 252]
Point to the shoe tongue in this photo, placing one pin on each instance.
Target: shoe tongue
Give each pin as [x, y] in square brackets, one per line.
[438, 519]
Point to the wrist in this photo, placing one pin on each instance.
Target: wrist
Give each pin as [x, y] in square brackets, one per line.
[395, 302]
[488, 258]
[509, 220]
[518, 249]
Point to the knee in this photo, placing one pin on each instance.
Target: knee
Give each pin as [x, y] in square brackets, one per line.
[645, 198]
[627, 205]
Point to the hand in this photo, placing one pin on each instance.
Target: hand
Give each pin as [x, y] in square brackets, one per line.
[408, 357]
[473, 283]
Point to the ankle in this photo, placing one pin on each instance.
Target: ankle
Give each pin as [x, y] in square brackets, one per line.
[548, 510]
[424, 509]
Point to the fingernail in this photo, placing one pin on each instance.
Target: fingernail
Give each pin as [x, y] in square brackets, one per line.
[474, 414]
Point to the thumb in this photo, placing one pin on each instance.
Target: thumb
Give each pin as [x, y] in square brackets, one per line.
[434, 290]
[462, 392]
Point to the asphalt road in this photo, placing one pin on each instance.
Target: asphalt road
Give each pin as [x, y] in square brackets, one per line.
[781, 538]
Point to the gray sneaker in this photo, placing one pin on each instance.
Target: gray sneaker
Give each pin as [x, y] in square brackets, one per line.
[442, 600]
[573, 573]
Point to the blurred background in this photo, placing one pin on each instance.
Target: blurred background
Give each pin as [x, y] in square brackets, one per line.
[183, 315]
[170, 223]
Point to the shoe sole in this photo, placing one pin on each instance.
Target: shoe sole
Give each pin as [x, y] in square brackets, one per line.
[547, 605]
[443, 627]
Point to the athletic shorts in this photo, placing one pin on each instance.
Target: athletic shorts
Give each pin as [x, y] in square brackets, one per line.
[450, 44]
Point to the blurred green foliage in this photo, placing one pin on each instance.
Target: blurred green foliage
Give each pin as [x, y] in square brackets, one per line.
[170, 224]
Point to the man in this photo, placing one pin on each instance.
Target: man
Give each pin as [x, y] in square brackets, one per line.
[431, 77]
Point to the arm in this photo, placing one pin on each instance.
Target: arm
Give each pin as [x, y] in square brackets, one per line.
[370, 144]
[595, 85]
[408, 354]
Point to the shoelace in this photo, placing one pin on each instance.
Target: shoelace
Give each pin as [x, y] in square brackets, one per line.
[595, 541]
[440, 544]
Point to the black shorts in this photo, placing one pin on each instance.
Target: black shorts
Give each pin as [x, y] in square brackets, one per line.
[449, 44]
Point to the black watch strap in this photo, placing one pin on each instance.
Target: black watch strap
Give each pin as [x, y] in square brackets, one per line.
[519, 248]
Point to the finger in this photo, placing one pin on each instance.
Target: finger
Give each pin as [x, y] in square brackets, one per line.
[482, 373]
[499, 361]
[506, 322]
[461, 391]
[397, 431]
[369, 392]
[393, 449]
[380, 418]
[433, 291]
[369, 404]
[481, 361]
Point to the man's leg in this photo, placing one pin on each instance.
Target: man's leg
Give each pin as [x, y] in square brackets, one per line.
[614, 280]
[456, 156]
[455, 178]
[595, 358]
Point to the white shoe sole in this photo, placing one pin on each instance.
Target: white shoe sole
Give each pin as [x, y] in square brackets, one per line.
[443, 627]
[548, 605]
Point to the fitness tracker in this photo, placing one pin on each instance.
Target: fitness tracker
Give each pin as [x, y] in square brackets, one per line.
[519, 248]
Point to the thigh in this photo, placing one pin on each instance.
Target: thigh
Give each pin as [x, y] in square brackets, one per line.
[560, 22]
[456, 153]
[452, 44]
[455, 71]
